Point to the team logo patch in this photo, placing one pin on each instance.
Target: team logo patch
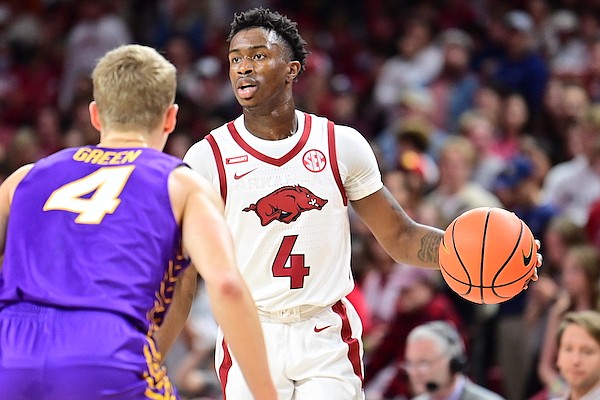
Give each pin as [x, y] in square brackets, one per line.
[285, 204]
[314, 160]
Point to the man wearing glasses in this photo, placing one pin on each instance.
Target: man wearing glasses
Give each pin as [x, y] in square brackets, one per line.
[435, 362]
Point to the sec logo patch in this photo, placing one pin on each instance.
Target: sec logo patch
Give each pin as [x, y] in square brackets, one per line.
[314, 160]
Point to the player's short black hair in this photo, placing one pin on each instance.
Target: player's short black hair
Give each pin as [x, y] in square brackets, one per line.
[265, 18]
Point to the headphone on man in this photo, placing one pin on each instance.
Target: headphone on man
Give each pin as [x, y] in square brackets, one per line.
[456, 348]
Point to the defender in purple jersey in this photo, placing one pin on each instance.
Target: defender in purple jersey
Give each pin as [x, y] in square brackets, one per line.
[93, 240]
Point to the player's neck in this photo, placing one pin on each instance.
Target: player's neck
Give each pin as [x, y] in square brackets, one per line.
[273, 126]
[123, 139]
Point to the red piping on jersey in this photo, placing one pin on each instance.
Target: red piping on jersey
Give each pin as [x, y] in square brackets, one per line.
[353, 345]
[333, 159]
[270, 160]
[220, 166]
[224, 368]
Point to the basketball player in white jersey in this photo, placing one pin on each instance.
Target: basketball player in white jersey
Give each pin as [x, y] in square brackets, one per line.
[287, 178]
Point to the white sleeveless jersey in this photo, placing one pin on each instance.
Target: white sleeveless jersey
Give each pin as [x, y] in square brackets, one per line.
[286, 203]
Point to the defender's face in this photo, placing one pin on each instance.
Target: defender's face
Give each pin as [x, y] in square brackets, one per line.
[579, 358]
[258, 67]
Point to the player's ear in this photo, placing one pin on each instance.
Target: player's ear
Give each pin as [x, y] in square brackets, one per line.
[294, 70]
[94, 116]
[171, 118]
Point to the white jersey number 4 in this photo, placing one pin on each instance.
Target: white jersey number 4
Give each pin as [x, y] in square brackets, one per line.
[106, 185]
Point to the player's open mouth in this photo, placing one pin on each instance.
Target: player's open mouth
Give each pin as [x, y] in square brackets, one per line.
[246, 89]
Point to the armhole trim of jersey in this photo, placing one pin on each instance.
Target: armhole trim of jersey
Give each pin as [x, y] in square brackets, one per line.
[334, 163]
[220, 167]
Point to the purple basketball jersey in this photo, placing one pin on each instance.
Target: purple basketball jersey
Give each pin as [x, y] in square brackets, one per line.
[92, 228]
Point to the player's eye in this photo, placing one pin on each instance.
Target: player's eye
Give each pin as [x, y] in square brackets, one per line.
[259, 56]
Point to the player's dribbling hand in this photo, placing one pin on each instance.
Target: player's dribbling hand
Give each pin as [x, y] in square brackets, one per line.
[534, 277]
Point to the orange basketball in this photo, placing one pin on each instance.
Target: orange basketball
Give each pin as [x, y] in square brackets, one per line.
[487, 255]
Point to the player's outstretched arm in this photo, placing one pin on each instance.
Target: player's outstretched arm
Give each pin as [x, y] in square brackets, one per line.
[207, 240]
[404, 239]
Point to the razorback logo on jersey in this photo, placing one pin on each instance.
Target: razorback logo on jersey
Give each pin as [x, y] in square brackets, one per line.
[285, 204]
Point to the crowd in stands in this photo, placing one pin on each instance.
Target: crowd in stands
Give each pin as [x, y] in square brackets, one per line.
[467, 103]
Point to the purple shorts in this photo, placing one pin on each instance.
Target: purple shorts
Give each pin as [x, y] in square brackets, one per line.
[48, 353]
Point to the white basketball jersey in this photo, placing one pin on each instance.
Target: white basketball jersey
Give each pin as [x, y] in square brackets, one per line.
[287, 206]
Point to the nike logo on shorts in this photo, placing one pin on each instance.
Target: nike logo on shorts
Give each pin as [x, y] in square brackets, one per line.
[322, 329]
[236, 176]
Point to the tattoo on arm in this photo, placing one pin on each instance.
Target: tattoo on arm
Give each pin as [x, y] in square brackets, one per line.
[429, 247]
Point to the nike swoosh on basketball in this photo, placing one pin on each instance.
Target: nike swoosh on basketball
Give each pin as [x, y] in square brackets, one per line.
[322, 329]
[236, 176]
[527, 259]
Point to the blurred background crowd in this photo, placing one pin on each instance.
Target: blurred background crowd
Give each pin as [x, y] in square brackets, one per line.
[467, 103]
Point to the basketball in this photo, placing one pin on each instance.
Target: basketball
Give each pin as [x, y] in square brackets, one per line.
[487, 255]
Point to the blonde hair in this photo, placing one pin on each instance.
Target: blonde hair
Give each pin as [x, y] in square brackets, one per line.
[133, 87]
[470, 118]
[586, 319]
[460, 145]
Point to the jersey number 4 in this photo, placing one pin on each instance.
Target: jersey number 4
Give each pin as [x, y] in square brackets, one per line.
[105, 185]
[296, 270]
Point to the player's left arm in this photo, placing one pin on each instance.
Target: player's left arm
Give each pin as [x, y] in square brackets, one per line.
[7, 191]
[403, 238]
[178, 312]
